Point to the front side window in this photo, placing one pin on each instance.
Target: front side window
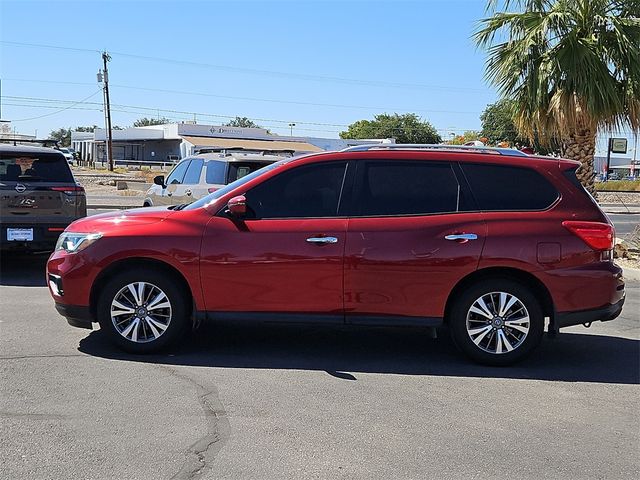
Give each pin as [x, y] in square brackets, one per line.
[192, 176]
[503, 188]
[309, 191]
[177, 174]
[406, 188]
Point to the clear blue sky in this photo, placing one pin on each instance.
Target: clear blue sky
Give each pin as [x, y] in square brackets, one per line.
[322, 65]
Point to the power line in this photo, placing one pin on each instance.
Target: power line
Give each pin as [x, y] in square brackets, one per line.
[187, 116]
[252, 99]
[58, 111]
[252, 71]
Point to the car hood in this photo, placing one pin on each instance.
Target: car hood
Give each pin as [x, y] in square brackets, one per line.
[122, 219]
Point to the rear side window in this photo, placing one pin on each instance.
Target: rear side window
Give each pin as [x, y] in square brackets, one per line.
[30, 167]
[407, 188]
[215, 172]
[498, 187]
[193, 172]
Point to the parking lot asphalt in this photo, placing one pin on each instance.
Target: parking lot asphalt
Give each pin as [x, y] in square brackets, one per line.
[303, 402]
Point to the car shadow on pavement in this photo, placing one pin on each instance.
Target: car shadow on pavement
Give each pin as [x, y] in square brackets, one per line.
[23, 269]
[344, 353]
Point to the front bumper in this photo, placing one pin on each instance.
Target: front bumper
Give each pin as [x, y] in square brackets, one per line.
[603, 314]
[76, 315]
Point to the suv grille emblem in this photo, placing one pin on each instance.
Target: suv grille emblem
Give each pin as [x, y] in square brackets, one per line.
[20, 188]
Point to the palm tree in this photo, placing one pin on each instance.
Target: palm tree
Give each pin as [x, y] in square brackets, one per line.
[572, 67]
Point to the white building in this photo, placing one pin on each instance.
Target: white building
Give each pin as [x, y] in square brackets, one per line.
[171, 142]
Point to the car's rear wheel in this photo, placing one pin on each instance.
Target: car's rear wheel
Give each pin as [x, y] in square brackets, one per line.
[497, 322]
[142, 311]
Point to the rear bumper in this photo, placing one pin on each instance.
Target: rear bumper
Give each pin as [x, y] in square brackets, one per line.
[603, 314]
[76, 315]
[45, 235]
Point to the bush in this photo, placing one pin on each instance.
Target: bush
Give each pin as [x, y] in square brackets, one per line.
[617, 185]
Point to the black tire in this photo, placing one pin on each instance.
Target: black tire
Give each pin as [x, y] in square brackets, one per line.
[178, 312]
[493, 337]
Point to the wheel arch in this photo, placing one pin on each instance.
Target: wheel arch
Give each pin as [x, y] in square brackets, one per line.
[128, 263]
[527, 279]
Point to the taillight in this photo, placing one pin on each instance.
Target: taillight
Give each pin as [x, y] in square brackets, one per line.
[69, 190]
[598, 235]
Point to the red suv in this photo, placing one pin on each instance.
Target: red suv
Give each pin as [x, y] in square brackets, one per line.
[489, 242]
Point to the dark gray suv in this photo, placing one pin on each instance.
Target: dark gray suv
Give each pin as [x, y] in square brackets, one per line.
[39, 197]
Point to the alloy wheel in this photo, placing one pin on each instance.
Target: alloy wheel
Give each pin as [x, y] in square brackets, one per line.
[140, 312]
[498, 322]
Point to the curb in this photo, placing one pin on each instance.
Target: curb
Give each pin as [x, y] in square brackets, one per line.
[630, 273]
[112, 207]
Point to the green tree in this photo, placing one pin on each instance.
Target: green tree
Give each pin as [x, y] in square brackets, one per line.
[242, 122]
[467, 136]
[498, 125]
[145, 122]
[407, 128]
[62, 135]
[571, 67]
[91, 128]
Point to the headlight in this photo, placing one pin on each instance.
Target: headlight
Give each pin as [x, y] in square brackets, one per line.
[73, 242]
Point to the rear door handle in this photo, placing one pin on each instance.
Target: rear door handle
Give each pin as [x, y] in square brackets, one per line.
[322, 240]
[461, 237]
[188, 192]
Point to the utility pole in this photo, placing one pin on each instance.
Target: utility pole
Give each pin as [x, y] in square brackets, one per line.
[106, 58]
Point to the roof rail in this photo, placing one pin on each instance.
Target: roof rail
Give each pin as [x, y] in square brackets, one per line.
[429, 146]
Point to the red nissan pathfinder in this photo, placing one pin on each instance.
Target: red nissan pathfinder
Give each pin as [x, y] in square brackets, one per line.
[487, 242]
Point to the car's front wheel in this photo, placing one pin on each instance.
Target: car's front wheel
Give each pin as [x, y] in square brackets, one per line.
[142, 311]
[497, 322]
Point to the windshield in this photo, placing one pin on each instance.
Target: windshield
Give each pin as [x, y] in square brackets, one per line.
[227, 188]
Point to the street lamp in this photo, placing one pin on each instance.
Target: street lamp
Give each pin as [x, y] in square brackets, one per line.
[291, 125]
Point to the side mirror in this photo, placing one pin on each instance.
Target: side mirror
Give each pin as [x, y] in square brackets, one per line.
[159, 180]
[237, 206]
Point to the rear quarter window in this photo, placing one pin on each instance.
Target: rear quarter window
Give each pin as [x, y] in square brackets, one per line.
[507, 188]
[30, 167]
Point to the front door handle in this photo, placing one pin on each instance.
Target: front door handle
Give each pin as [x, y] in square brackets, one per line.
[461, 237]
[322, 240]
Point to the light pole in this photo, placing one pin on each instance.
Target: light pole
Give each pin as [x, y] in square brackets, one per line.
[291, 125]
